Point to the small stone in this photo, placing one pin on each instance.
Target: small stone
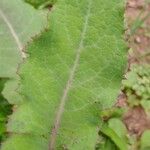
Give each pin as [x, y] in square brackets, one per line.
[138, 39]
[132, 4]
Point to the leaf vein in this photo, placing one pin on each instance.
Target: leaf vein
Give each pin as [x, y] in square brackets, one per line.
[13, 33]
[69, 82]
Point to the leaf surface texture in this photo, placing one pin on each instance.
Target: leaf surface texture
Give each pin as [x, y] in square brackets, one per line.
[73, 72]
[18, 23]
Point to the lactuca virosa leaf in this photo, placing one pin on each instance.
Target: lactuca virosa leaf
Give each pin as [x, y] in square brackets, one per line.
[18, 22]
[73, 72]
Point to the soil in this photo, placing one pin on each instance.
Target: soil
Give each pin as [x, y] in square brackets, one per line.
[139, 41]
[136, 119]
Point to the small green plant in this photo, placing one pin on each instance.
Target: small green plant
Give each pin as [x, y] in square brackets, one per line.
[137, 85]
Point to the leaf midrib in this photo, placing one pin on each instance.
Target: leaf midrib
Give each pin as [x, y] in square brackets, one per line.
[69, 82]
[13, 32]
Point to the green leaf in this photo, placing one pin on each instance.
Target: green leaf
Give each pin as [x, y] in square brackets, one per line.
[18, 23]
[10, 91]
[112, 112]
[108, 131]
[40, 3]
[106, 143]
[145, 144]
[73, 72]
[119, 128]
